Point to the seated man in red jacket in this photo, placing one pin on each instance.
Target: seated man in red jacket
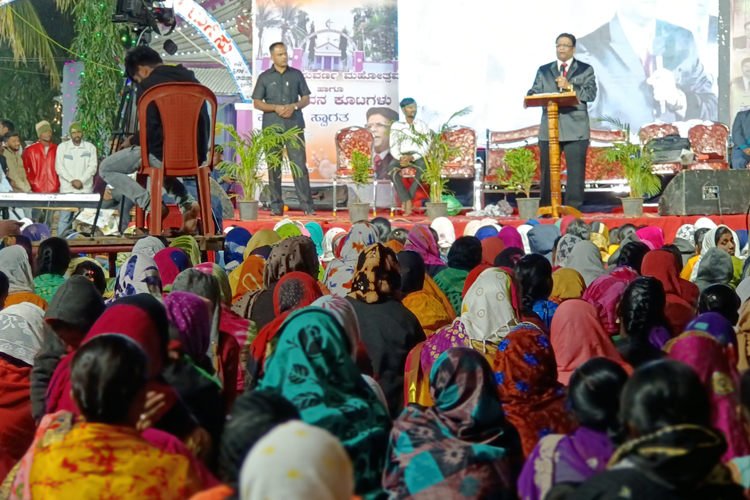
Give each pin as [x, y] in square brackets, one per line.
[39, 161]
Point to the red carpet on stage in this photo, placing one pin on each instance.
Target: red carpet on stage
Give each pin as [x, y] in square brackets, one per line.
[669, 225]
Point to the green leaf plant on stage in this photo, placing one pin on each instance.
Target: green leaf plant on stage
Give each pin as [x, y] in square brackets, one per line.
[636, 162]
[520, 172]
[361, 166]
[439, 152]
[255, 150]
[99, 43]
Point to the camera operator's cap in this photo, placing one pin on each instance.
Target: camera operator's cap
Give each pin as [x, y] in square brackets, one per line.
[42, 127]
[75, 127]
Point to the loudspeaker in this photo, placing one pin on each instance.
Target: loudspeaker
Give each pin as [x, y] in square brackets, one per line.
[322, 197]
[707, 192]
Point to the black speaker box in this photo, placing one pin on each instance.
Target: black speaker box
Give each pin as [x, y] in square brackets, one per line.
[707, 192]
[322, 197]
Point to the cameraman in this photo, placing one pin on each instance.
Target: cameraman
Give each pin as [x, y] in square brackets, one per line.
[145, 67]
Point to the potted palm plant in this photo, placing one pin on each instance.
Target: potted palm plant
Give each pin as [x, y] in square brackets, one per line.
[360, 166]
[252, 151]
[519, 177]
[439, 151]
[636, 165]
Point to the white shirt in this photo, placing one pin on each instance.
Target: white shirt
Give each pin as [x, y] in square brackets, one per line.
[402, 139]
[641, 38]
[567, 68]
[76, 163]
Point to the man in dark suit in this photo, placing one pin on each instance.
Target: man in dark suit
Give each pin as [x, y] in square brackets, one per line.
[566, 74]
[379, 122]
[648, 69]
[741, 139]
[742, 42]
[742, 83]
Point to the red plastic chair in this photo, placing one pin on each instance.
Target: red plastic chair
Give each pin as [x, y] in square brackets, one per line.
[179, 106]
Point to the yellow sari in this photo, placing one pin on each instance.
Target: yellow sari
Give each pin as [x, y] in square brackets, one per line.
[430, 312]
[98, 461]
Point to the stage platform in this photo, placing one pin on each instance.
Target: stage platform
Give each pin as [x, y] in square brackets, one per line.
[669, 224]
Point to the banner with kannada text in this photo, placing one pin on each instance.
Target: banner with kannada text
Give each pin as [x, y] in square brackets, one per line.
[347, 51]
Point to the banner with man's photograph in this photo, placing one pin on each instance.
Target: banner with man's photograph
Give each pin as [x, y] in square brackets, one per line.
[347, 51]
[739, 60]
[653, 59]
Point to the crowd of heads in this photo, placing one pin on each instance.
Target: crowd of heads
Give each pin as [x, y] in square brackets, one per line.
[565, 361]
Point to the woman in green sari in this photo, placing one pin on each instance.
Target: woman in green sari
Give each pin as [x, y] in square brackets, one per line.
[313, 368]
[465, 254]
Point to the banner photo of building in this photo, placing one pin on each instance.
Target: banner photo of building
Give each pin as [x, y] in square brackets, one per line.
[347, 51]
[489, 61]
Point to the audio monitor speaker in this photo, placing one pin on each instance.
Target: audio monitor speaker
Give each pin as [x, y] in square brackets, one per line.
[707, 192]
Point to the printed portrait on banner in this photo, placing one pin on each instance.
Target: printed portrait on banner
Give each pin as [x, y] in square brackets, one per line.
[739, 61]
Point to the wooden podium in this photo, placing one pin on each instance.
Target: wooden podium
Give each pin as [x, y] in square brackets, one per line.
[554, 102]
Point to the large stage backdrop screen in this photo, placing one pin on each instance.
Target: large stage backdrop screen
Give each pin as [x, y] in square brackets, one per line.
[485, 54]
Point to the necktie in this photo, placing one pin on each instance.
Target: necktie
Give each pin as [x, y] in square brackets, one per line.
[648, 64]
[378, 159]
[564, 70]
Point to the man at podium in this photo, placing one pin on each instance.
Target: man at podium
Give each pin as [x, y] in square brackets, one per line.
[563, 75]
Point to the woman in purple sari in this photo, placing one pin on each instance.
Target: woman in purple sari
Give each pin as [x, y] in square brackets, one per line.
[565, 461]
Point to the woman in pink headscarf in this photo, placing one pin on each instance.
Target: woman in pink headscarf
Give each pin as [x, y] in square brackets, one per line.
[511, 237]
[653, 237]
[422, 241]
[711, 361]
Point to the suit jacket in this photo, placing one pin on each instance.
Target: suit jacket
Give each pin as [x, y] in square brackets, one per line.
[739, 84]
[574, 120]
[624, 93]
[741, 129]
[382, 171]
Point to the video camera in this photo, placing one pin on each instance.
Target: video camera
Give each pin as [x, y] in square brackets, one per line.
[145, 14]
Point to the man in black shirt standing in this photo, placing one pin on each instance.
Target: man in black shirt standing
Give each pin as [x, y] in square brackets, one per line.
[281, 92]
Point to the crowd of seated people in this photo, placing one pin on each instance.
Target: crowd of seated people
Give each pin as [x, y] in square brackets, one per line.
[549, 361]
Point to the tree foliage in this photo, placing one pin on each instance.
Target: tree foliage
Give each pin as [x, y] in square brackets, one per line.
[27, 98]
[28, 39]
[376, 32]
[99, 42]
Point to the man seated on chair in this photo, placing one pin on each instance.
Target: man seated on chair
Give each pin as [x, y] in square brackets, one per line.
[145, 67]
[409, 143]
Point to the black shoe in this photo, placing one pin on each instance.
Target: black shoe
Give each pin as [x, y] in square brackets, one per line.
[310, 212]
[277, 212]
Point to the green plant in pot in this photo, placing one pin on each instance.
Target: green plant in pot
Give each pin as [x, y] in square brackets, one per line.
[637, 165]
[439, 151]
[360, 168]
[520, 170]
[253, 151]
